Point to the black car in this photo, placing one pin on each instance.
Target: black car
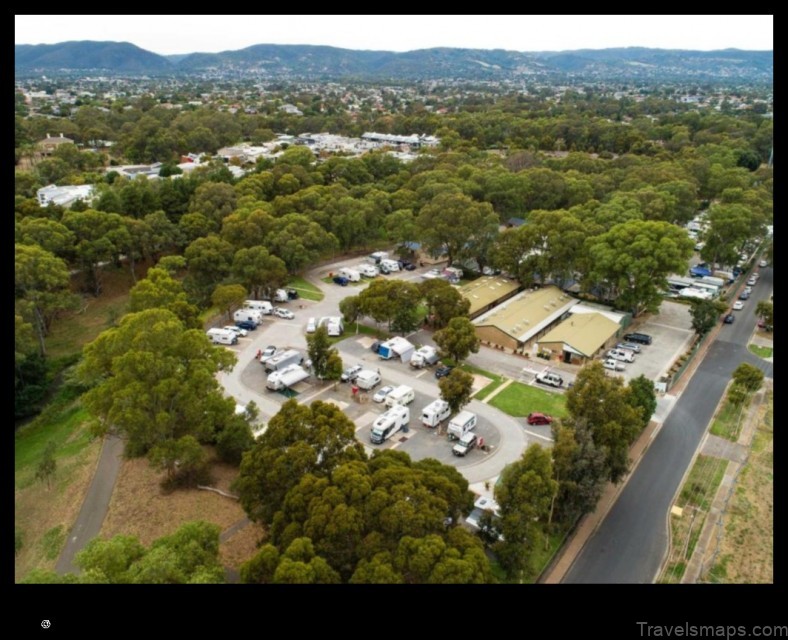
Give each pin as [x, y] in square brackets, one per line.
[440, 372]
[341, 281]
[406, 265]
[246, 324]
[640, 338]
[728, 319]
[292, 294]
[375, 346]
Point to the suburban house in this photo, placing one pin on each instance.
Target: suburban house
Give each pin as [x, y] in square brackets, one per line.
[48, 145]
[580, 337]
[524, 318]
[64, 196]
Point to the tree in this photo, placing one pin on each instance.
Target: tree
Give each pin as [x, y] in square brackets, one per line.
[209, 260]
[234, 439]
[261, 567]
[737, 395]
[456, 389]
[154, 380]
[109, 561]
[765, 309]
[643, 397]
[258, 270]
[159, 290]
[45, 470]
[524, 493]
[704, 316]
[322, 355]
[729, 227]
[184, 461]
[748, 376]
[635, 258]
[215, 201]
[350, 308]
[451, 222]
[50, 235]
[299, 241]
[444, 301]
[458, 339]
[228, 297]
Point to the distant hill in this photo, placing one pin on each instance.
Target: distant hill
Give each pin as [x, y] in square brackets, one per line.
[87, 54]
[271, 60]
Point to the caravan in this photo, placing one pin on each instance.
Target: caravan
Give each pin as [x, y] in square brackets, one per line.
[248, 315]
[461, 424]
[351, 274]
[368, 270]
[435, 413]
[388, 424]
[264, 306]
[403, 395]
[222, 336]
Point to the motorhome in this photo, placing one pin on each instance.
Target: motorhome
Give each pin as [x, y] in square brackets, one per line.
[280, 295]
[403, 395]
[391, 265]
[368, 270]
[248, 315]
[285, 378]
[282, 360]
[351, 274]
[333, 324]
[435, 413]
[461, 424]
[375, 258]
[425, 356]
[259, 305]
[367, 379]
[222, 336]
[388, 424]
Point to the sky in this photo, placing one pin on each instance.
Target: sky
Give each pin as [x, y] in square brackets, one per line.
[187, 34]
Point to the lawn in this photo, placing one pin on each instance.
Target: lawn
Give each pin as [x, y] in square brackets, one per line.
[727, 422]
[519, 400]
[306, 289]
[486, 391]
[761, 352]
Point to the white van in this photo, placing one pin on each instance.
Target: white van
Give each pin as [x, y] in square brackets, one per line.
[388, 424]
[311, 325]
[623, 355]
[222, 336]
[259, 305]
[461, 424]
[391, 265]
[435, 413]
[248, 315]
[367, 379]
[368, 270]
[402, 395]
[351, 274]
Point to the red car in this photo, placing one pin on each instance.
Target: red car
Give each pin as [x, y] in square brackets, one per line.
[539, 418]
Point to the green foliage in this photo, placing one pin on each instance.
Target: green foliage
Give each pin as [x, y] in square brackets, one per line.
[458, 339]
[47, 465]
[258, 270]
[748, 376]
[234, 439]
[184, 461]
[705, 316]
[444, 302]
[228, 297]
[738, 394]
[456, 389]
[52, 542]
[765, 309]
[159, 290]
[642, 396]
[326, 362]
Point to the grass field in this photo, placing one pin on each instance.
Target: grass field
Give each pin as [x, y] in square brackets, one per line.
[761, 352]
[486, 391]
[727, 422]
[306, 289]
[519, 400]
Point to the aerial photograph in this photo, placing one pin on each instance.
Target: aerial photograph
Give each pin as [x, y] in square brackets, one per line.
[394, 300]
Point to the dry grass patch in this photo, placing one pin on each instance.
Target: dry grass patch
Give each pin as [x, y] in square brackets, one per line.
[140, 508]
[240, 547]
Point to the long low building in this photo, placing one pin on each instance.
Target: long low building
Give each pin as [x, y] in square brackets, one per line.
[580, 337]
[523, 318]
[487, 292]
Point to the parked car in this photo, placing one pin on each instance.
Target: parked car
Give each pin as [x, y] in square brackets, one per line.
[384, 269]
[763, 264]
[311, 325]
[614, 365]
[380, 394]
[549, 378]
[292, 294]
[631, 346]
[407, 265]
[284, 313]
[641, 338]
[268, 351]
[539, 418]
[341, 281]
[762, 325]
[238, 330]
[752, 281]
[744, 295]
[248, 325]
[440, 372]
[376, 345]
[351, 373]
[738, 305]
[728, 319]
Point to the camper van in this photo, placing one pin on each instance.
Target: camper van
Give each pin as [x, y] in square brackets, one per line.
[375, 258]
[391, 265]
[248, 315]
[461, 424]
[368, 270]
[425, 356]
[280, 295]
[367, 379]
[388, 424]
[285, 378]
[435, 413]
[351, 274]
[282, 360]
[403, 395]
[264, 306]
[222, 336]
[333, 324]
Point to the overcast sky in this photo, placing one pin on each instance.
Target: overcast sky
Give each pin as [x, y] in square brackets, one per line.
[187, 34]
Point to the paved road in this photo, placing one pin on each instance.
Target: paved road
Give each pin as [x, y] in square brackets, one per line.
[94, 507]
[631, 542]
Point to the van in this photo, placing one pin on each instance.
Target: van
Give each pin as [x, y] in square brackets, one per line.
[388, 424]
[624, 355]
[368, 270]
[263, 306]
[391, 265]
[222, 336]
[435, 413]
[280, 295]
[351, 274]
[401, 395]
[248, 315]
[311, 325]
[461, 424]
[367, 379]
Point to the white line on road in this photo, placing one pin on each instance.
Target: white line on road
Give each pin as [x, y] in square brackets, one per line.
[538, 435]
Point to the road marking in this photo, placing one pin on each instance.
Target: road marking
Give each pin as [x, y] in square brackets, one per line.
[667, 326]
[420, 374]
[538, 435]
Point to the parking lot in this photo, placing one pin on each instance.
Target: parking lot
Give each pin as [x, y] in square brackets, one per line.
[671, 333]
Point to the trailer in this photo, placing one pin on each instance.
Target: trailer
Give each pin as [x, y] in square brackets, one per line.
[222, 336]
[435, 413]
[367, 379]
[248, 315]
[282, 360]
[425, 356]
[286, 378]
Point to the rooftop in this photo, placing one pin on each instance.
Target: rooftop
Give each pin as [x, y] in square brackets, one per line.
[486, 290]
[584, 333]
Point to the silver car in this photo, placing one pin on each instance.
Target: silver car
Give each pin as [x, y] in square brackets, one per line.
[380, 394]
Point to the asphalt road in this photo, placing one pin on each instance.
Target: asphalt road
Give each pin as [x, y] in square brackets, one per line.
[632, 540]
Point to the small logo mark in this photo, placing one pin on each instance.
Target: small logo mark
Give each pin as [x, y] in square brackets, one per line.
[45, 624]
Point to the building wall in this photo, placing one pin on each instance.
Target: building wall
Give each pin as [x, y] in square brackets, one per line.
[495, 337]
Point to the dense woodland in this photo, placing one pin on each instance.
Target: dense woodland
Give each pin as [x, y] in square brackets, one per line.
[603, 185]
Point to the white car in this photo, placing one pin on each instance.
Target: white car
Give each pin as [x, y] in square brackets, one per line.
[380, 394]
[763, 263]
[241, 332]
[614, 365]
[311, 325]
[738, 305]
[284, 313]
[350, 374]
